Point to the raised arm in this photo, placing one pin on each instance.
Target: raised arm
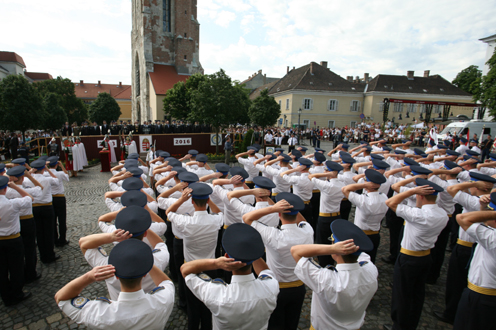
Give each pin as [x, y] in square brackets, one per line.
[313, 250]
[465, 220]
[279, 207]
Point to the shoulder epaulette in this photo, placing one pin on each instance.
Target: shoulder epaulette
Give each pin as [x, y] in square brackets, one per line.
[330, 267]
[102, 251]
[361, 263]
[264, 277]
[219, 281]
[204, 277]
[158, 288]
[105, 299]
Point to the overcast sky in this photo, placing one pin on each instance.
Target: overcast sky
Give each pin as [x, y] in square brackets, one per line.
[90, 40]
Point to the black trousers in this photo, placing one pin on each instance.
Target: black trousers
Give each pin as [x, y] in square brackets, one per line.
[287, 313]
[11, 269]
[290, 148]
[437, 253]
[169, 241]
[456, 279]
[395, 225]
[307, 212]
[408, 290]
[198, 313]
[28, 235]
[60, 210]
[44, 216]
[345, 209]
[485, 153]
[455, 227]
[376, 240]
[324, 237]
[250, 185]
[315, 201]
[179, 260]
[475, 311]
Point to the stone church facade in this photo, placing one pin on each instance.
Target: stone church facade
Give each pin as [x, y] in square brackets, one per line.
[165, 42]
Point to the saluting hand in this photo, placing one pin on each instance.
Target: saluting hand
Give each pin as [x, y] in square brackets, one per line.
[186, 194]
[344, 247]
[282, 206]
[101, 273]
[259, 192]
[228, 264]
[120, 235]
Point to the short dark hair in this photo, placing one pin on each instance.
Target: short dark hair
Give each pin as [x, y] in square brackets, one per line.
[431, 198]
[130, 282]
[350, 258]
[200, 202]
[245, 268]
[289, 217]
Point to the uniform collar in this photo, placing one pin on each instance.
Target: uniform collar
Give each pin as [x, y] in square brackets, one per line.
[130, 296]
[264, 204]
[430, 206]
[238, 188]
[201, 212]
[242, 278]
[289, 226]
[344, 267]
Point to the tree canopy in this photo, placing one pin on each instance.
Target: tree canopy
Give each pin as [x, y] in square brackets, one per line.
[55, 116]
[486, 92]
[74, 107]
[264, 110]
[21, 107]
[177, 101]
[105, 107]
[467, 79]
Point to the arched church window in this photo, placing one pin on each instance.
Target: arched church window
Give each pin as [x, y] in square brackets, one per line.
[167, 15]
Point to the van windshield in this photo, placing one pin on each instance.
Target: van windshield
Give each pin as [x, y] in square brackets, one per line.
[451, 129]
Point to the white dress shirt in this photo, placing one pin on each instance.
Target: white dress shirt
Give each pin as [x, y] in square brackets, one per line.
[278, 243]
[245, 304]
[46, 193]
[302, 186]
[370, 209]
[483, 265]
[444, 199]
[347, 177]
[281, 184]
[469, 203]
[330, 194]
[131, 310]
[233, 214]
[27, 209]
[10, 210]
[58, 189]
[158, 228]
[249, 167]
[271, 220]
[340, 295]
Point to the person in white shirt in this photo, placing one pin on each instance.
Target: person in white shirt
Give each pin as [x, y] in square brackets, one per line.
[202, 167]
[278, 242]
[129, 262]
[341, 294]
[292, 142]
[248, 164]
[474, 146]
[268, 137]
[247, 302]
[302, 187]
[421, 230]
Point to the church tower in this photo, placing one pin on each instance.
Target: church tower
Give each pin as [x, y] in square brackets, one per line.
[165, 41]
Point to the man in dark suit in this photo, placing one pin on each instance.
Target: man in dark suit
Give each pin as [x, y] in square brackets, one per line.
[14, 144]
[197, 127]
[67, 129]
[114, 128]
[137, 128]
[95, 129]
[105, 128]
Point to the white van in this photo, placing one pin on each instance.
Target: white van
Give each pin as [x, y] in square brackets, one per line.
[472, 126]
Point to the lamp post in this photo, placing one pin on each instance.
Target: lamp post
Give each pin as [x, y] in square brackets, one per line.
[299, 128]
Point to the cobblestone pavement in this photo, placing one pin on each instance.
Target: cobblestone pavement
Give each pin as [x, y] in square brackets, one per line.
[85, 203]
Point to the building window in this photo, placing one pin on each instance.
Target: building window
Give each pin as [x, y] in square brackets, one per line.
[167, 15]
[185, 57]
[307, 104]
[280, 104]
[332, 105]
[287, 104]
[185, 35]
[330, 124]
[137, 78]
[381, 107]
[355, 105]
[398, 107]
[306, 123]
[422, 108]
[412, 107]
[353, 124]
[437, 108]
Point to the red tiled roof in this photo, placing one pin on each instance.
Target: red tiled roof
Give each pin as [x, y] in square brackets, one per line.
[164, 77]
[125, 94]
[11, 57]
[38, 75]
[91, 90]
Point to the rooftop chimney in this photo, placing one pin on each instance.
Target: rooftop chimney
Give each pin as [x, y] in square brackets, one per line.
[311, 67]
[120, 83]
[324, 64]
[366, 77]
[287, 69]
[99, 83]
[81, 83]
[349, 78]
[409, 74]
[260, 71]
[426, 73]
[293, 68]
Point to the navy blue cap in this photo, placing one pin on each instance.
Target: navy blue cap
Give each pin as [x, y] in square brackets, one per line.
[280, 149]
[131, 258]
[193, 152]
[376, 156]
[296, 153]
[132, 184]
[408, 162]
[447, 143]
[2, 167]
[320, 157]
[243, 243]
[404, 141]
[16, 171]
[272, 156]
[19, 161]
[302, 148]
[464, 140]
[342, 152]
[134, 155]
[492, 156]
[43, 158]
[364, 142]
[4, 181]
[382, 141]
[467, 157]
[38, 164]
[399, 152]
[345, 146]
[222, 168]
[452, 153]
[134, 219]
[130, 163]
[492, 203]
[174, 162]
[135, 171]
[333, 166]
[239, 171]
[319, 149]
[474, 176]
[346, 158]
[418, 151]
[432, 143]
[133, 197]
[442, 146]
[343, 230]
[374, 176]
[163, 154]
[380, 164]
[178, 169]
[292, 199]
[200, 190]
[252, 148]
[188, 177]
[263, 182]
[286, 158]
[256, 145]
[449, 165]
[53, 160]
[424, 182]
[305, 161]
[386, 148]
[202, 158]
[474, 141]
[472, 153]
[419, 170]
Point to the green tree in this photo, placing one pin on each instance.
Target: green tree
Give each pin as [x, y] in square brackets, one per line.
[73, 106]
[55, 115]
[465, 79]
[485, 88]
[105, 107]
[21, 107]
[264, 110]
[177, 102]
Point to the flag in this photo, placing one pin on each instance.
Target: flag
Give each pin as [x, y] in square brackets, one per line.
[481, 135]
[468, 135]
[433, 135]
